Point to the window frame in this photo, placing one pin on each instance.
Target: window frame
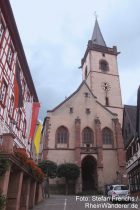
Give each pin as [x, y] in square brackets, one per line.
[107, 136]
[87, 136]
[62, 136]
[3, 101]
[103, 65]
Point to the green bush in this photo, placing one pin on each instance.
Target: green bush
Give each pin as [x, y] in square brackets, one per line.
[4, 165]
[2, 202]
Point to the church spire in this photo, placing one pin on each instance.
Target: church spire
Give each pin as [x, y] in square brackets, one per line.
[97, 37]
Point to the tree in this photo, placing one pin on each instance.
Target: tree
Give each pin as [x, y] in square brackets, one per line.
[49, 168]
[69, 171]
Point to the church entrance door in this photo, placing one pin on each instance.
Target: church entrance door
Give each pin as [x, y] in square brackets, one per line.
[89, 174]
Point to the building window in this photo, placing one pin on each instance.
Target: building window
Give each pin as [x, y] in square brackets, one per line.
[3, 92]
[2, 29]
[71, 109]
[87, 95]
[23, 87]
[19, 119]
[86, 73]
[10, 55]
[103, 65]
[107, 136]
[106, 101]
[88, 136]
[103, 54]
[87, 111]
[11, 108]
[134, 179]
[62, 135]
[24, 128]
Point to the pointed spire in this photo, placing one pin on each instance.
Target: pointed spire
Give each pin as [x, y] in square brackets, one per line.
[97, 37]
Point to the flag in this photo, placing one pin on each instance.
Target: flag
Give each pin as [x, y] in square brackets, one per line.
[35, 111]
[28, 115]
[18, 98]
[37, 138]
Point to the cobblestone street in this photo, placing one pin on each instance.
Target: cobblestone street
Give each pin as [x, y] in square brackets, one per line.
[58, 202]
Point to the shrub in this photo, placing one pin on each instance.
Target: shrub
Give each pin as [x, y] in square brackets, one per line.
[2, 202]
[4, 165]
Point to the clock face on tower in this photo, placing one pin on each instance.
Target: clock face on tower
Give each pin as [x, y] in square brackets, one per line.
[106, 86]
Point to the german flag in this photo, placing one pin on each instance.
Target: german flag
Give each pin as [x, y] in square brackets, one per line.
[18, 98]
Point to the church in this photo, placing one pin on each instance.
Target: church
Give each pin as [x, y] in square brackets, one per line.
[85, 128]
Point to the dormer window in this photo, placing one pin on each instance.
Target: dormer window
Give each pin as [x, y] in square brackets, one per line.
[103, 65]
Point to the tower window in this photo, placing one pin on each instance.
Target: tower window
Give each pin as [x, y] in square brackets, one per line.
[106, 101]
[103, 65]
[86, 73]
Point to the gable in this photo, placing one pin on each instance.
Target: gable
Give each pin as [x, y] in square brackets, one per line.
[81, 102]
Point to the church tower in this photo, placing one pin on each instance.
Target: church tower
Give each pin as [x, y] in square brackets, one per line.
[85, 128]
[100, 71]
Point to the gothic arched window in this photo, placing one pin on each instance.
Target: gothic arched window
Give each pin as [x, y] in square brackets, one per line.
[103, 65]
[88, 136]
[107, 136]
[62, 136]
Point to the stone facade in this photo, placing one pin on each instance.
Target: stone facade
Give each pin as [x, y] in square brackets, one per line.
[85, 129]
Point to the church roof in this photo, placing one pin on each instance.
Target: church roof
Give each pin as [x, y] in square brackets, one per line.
[97, 37]
[129, 123]
[131, 111]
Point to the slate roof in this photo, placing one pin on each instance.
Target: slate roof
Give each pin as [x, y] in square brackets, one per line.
[129, 123]
[97, 37]
[131, 110]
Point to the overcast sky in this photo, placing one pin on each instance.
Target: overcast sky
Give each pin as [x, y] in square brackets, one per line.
[55, 35]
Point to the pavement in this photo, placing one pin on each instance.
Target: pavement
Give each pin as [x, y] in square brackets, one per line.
[62, 202]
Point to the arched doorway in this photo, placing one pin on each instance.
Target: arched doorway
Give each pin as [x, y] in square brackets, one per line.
[89, 174]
